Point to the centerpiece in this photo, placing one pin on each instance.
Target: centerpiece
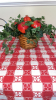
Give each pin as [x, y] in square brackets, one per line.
[28, 29]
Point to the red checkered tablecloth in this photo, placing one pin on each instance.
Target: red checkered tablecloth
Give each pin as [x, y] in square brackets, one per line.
[28, 74]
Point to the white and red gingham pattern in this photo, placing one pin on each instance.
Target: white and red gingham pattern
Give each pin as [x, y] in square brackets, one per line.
[28, 74]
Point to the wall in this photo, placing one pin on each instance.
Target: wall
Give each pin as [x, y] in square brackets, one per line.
[48, 11]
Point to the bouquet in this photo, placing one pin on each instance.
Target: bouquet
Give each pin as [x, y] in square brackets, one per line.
[28, 29]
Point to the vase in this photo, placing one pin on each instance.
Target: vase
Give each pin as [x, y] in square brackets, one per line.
[23, 42]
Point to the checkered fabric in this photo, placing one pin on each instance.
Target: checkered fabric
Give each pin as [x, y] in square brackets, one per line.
[28, 74]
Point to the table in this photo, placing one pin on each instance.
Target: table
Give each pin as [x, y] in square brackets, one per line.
[28, 74]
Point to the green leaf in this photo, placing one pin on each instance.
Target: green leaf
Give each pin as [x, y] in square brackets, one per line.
[13, 19]
[37, 35]
[31, 42]
[13, 46]
[18, 16]
[43, 22]
[51, 36]
[43, 17]
[37, 28]
[41, 33]
[27, 34]
[11, 52]
[28, 23]
[28, 41]
[12, 25]
[54, 28]
[39, 19]
[50, 26]
[36, 40]
[10, 17]
[33, 18]
[10, 21]
[6, 33]
[4, 45]
[1, 37]
[22, 19]
[16, 20]
[9, 38]
[33, 30]
[6, 50]
[52, 41]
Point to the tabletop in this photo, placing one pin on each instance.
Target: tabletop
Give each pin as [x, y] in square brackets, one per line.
[28, 74]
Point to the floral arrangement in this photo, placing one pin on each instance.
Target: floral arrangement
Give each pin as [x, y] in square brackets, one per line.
[30, 27]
